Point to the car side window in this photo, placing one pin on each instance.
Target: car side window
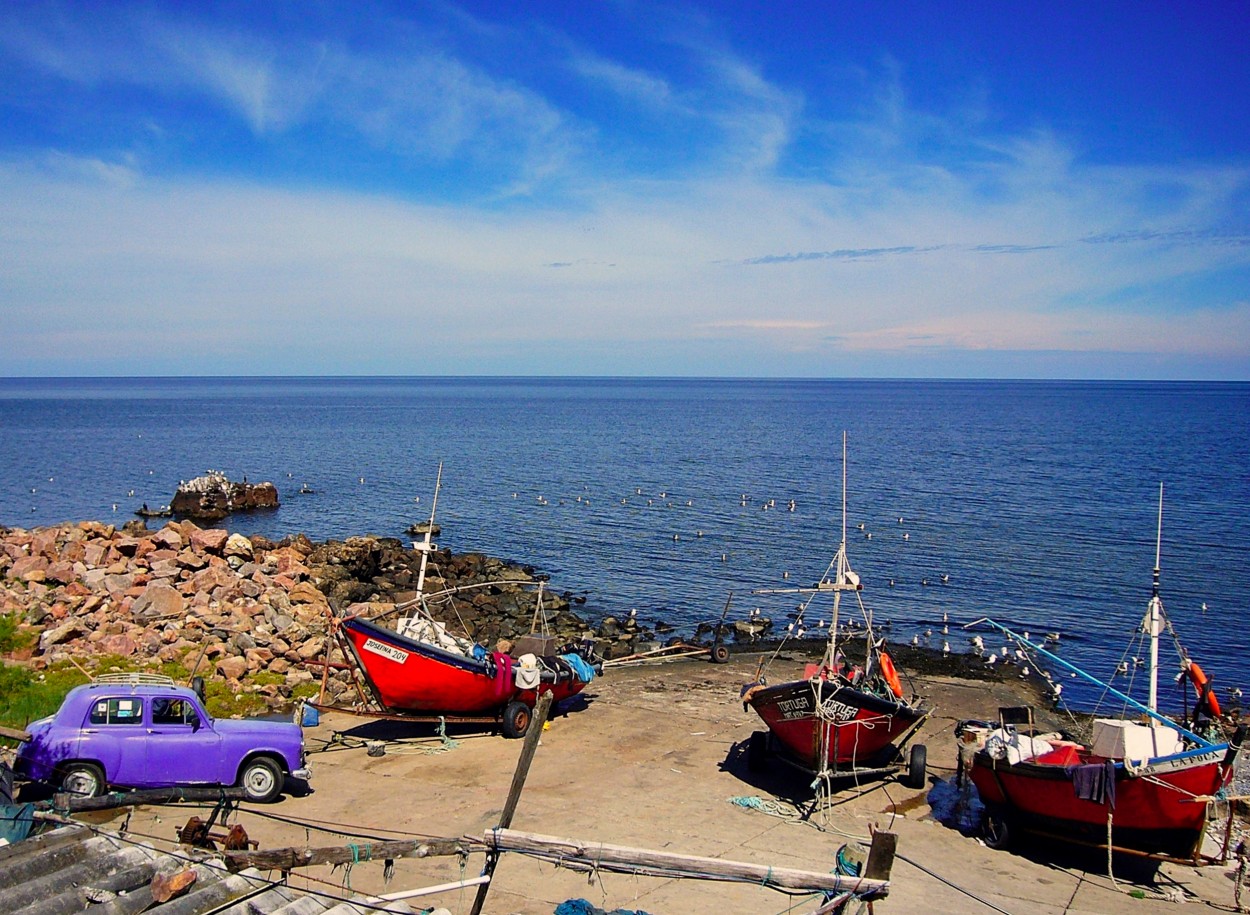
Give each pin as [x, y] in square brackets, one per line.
[117, 711]
[173, 711]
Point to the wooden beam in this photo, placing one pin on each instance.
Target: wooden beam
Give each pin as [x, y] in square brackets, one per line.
[14, 734]
[147, 796]
[589, 856]
[285, 859]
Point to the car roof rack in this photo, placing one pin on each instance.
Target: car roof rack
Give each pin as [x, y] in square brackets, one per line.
[135, 678]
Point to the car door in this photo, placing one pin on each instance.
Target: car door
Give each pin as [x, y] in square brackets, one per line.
[113, 734]
[182, 747]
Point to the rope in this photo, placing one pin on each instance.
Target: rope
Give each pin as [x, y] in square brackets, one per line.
[771, 807]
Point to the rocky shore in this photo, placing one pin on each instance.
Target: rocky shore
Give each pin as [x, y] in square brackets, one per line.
[237, 607]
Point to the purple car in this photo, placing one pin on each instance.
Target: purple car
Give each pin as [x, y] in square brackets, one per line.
[144, 732]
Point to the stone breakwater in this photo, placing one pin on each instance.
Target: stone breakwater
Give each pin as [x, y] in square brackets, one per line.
[245, 605]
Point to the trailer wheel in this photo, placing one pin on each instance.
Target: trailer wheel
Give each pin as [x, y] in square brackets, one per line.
[720, 654]
[916, 767]
[516, 719]
[757, 751]
[995, 830]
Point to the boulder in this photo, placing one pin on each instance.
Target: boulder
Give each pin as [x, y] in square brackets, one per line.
[212, 540]
[158, 600]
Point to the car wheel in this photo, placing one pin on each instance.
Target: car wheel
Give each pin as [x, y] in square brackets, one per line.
[82, 780]
[720, 654]
[516, 719]
[262, 780]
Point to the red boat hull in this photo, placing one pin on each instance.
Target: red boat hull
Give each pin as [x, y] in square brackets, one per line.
[414, 677]
[1154, 811]
[827, 724]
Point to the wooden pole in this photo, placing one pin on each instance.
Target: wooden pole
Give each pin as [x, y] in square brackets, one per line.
[623, 859]
[532, 736]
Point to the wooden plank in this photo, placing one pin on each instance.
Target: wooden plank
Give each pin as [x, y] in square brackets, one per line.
[624, 859]
[881, 856]
[14, 734]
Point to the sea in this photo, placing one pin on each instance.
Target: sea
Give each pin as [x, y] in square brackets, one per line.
[1034, 503]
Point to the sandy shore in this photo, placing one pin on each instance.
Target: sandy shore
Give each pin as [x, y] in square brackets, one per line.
[652, 759]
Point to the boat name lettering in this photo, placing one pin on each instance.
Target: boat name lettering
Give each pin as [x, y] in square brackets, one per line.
[398, 655]
[798, 707]
[839, 711]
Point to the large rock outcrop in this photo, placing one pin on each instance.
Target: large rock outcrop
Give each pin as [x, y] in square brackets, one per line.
[214, 496]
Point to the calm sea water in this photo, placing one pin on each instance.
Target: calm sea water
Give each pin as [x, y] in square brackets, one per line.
[1037, 499]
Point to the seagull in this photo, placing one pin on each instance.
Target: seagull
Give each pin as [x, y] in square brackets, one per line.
[907, 536]
[991, 659]
[945, 578]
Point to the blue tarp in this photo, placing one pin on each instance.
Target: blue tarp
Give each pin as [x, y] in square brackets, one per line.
[580, 666]
[582, 907]
[16, 820]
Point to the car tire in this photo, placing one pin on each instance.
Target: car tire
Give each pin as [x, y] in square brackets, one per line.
[262, 780]
[82, 779]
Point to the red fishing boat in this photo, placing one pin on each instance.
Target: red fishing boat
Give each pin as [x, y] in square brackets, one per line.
[417, 669]
[411, 676]
[840, 720]
[1142, 785]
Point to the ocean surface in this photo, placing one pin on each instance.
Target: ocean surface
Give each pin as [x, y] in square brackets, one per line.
[1036, 500]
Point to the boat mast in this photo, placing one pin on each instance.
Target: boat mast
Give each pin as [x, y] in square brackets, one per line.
[1154, 616]
[425, 547]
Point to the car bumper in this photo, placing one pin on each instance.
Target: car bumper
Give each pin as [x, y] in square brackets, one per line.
[305, 772]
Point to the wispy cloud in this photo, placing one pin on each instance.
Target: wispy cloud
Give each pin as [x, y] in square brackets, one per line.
[721, 214]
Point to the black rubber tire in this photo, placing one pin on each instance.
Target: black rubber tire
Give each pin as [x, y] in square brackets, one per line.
[757, 751]
[720, 654]
[262, 779]
[996, 830]
[83, 779]
[516, 719]
[916, 763]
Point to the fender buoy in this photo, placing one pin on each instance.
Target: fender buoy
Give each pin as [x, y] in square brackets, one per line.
[890, 674]
[1206, 695]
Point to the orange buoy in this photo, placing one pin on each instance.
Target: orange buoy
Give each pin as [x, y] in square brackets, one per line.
[1206, 695]
[891, 675]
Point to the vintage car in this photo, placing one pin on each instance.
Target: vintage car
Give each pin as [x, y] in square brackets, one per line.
[143, 731]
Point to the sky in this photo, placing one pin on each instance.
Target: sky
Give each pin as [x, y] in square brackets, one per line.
[628, 188]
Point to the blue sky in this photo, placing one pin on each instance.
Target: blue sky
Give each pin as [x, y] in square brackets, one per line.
[626, 188]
